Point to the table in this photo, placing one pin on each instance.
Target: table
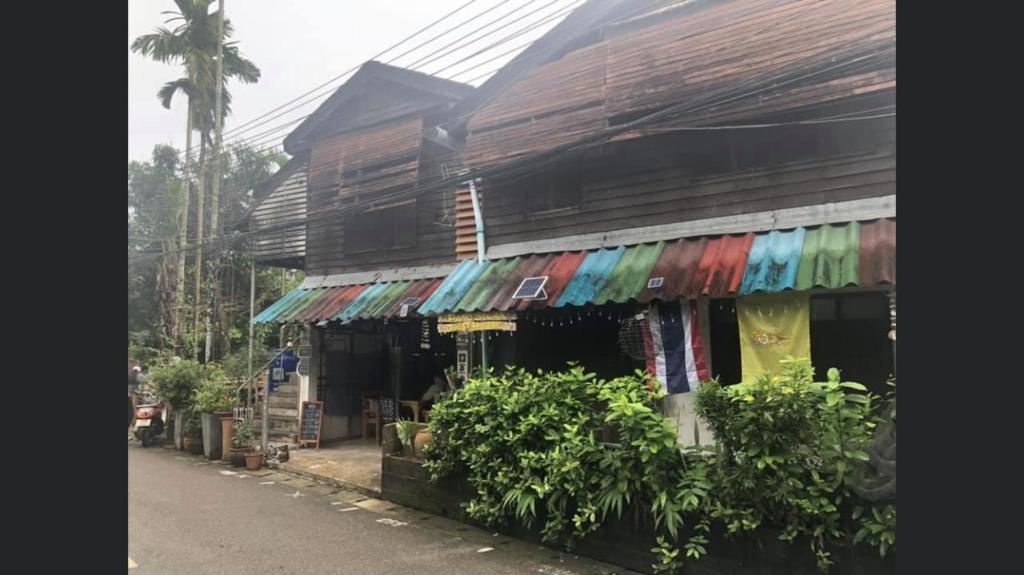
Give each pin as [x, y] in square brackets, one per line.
[414, 405]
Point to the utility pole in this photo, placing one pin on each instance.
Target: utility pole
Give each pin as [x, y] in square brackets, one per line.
[179, 297]
[218, 130]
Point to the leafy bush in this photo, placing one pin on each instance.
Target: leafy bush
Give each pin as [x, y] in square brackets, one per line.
[786, 446]
[174, 382]
[531, 445]
[245, 435]
[214, 393]
[193, 425]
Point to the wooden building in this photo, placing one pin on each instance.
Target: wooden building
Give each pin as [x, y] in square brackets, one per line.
[640, 152]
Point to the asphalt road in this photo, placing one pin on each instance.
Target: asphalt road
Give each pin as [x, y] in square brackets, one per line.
[187, 516]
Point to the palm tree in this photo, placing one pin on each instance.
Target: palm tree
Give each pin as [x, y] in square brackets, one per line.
[193, 42]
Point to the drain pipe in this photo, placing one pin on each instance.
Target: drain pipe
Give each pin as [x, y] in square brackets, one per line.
[481, 248]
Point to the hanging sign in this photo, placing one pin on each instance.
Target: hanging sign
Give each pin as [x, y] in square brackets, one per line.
[479, 321]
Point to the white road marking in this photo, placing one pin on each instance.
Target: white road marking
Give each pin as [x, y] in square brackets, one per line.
[349, 509]
[392, 522]
[484, 549]
[132, 564]
[241, 476]
[225, 472]
[267, 482]
[295, 495]
[338, 502]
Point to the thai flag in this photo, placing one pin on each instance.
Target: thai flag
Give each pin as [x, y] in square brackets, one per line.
[674, 347]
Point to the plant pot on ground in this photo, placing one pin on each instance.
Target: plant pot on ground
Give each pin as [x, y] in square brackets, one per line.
[192, 433]
[174, 383]
[253, 461]
[241, 442]
[214, 394]
[193, 445]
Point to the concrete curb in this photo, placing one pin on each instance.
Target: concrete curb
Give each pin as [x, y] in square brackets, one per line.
[340, 483]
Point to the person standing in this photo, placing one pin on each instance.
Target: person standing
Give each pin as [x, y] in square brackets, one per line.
[133, 385]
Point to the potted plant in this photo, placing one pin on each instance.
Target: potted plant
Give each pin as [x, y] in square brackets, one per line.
[407, 431]
[253, 460]
[241, 442]
[173, 384]
[214, 394]
[192, 433]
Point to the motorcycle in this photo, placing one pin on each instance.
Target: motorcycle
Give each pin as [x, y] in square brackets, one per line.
[149, 423]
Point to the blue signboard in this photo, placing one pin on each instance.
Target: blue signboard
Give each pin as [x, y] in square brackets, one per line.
[284, 365]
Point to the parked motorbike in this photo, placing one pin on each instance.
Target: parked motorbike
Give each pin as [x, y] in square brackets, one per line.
[149, 423]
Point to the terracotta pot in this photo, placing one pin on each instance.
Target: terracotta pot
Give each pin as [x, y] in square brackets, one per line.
[253, 461]
[236, 456]
[423, 439]
[227, 423]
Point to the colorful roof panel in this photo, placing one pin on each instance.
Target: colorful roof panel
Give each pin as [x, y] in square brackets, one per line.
[630, 275]
[590, 276]
[773, 261]
[878, 252]
[829, 256]
[458, 282]
[676, 267]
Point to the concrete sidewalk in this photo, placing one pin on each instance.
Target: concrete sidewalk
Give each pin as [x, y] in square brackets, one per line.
[353, 464]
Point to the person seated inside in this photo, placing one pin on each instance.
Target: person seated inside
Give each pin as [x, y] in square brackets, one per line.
[439, 389]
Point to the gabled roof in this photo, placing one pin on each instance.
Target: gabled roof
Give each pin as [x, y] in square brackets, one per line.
[579, 24]
[357, 85]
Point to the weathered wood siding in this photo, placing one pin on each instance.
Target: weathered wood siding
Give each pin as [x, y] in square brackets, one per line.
[361, 166]
[285, 205]
[652, 181]
[726, 61]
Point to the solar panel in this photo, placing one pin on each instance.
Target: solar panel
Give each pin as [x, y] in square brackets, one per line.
[654, 283]
[531, 288]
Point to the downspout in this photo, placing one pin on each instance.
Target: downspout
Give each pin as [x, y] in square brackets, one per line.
[481, 249]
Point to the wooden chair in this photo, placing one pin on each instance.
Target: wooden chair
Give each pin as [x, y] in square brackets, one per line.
[371, 414]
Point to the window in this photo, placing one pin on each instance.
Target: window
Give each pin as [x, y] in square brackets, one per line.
[382, 228]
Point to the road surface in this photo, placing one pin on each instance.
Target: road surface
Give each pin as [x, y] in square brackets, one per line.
[187, 516]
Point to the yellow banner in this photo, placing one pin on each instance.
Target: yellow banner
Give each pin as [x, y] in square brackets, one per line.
[476, 326]
[772, 327]
[477, 316]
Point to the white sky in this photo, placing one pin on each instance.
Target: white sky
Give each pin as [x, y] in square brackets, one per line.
[299, 44]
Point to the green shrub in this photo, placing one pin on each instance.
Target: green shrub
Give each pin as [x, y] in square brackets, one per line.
[174, 382]
[407, 431]
[532, 445]
[785, 448]
[214, 393]
[245, 435]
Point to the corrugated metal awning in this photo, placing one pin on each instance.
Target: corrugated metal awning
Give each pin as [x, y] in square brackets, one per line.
[829, 256]
[343, 303]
